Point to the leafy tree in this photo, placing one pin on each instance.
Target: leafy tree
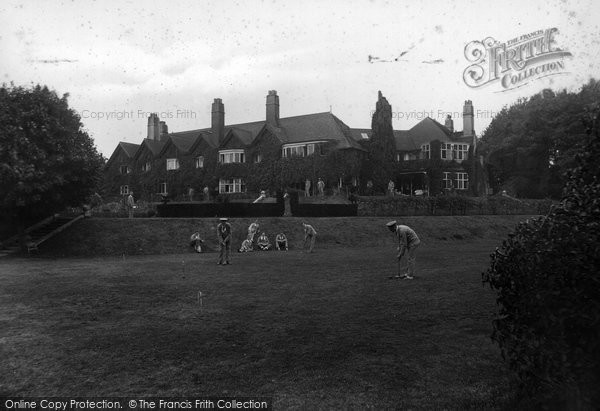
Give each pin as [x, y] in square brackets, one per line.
[548, 288]
[47, 160]
[529, 145]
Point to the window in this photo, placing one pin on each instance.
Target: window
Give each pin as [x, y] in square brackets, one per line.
[404, 157]
[258, 157]
[124, 170]
[446, 152]
[447, 180]
[294, 151]
[124, 190]
[231, 156]
[147, 166]
[454, 151]
[425, 151]
[364, 136]
[162, 188]
[302, 150]
[462, 181]
[233, 185]
[200, 162]
[461, 151]
[172, 164]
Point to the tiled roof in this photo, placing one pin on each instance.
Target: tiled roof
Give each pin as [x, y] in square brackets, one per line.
[184, 140]
[153, 145]
[428, 130]
[298, 129]
[357, 133]
[129, 148]
[314, 127]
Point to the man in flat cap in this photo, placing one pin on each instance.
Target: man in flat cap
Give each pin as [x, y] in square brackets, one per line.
[224, 239]
[408, 242]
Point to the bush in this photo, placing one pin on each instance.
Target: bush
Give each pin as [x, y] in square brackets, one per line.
[548, 292]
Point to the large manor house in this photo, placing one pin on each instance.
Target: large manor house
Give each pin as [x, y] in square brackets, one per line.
[244, 158]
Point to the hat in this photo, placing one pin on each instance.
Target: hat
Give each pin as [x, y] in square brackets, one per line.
[391, 223]
[223, 219]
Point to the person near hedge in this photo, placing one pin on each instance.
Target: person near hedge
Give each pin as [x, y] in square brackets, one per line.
[224, 239]
[408, 242]
[321, 187]
[281, 242]
[130, 204]
[310, 234]
[307, 188]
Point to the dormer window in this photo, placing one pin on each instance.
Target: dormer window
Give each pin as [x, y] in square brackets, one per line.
[172, 164]
[231, 156]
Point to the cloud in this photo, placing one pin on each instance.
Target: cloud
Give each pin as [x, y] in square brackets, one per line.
[175, 69]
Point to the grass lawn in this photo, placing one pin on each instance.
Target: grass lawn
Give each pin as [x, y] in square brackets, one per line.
[327, 330]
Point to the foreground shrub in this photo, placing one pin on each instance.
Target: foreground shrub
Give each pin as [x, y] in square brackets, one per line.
[547, 279]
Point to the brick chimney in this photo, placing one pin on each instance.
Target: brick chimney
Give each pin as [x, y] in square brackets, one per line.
[273, 108]
[218, 119]
[468, 130]
[153, 127]
[164, 131]
[449, 123]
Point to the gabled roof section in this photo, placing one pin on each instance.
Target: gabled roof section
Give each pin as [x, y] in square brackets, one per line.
[184, 140]
[128, 148]
[211, 140]
[152, 146]
[236, 139]
[428, 130]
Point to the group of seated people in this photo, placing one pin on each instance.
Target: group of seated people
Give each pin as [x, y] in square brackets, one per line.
[263, 243]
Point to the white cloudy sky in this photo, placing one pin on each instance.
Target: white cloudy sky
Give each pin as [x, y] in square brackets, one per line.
[136, 57]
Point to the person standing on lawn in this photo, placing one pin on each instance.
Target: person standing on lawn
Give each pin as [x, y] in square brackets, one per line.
[224, 238]
[321, 187]
[408, 242]
[309, 235]
[130, 204]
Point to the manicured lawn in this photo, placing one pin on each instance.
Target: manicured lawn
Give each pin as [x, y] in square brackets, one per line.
[327, 330]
